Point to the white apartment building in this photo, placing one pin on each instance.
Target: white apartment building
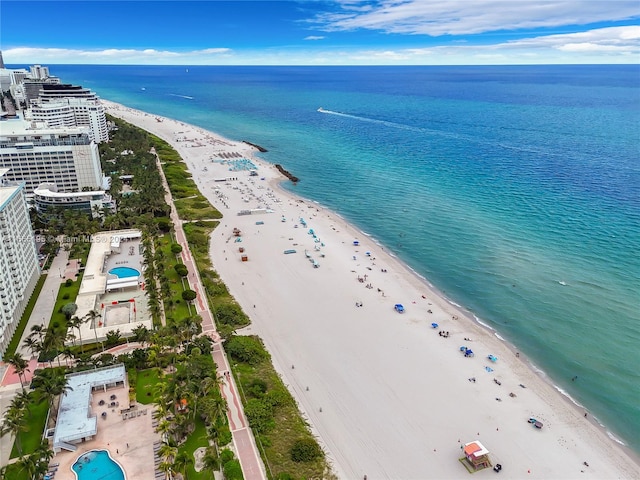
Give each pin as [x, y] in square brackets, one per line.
[19, 268]
[71, 112]
[37, 154]
[38, 72]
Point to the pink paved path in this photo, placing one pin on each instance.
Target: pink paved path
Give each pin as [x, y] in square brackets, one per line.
[244, 442]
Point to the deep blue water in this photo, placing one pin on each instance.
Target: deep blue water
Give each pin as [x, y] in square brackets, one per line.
[495, 183]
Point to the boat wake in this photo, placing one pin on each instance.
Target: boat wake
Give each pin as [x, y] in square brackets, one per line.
[380, 122]
[181, 96]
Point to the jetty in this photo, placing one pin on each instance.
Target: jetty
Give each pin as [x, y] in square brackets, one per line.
[287, 174]
[260, 149]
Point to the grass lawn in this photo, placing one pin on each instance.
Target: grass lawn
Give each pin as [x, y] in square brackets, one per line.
[179, 309]
[31, 438]
[197, 439]
[145, 381]
[15, 340]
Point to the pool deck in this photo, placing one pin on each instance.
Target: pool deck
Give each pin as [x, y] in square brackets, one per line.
[130, 441]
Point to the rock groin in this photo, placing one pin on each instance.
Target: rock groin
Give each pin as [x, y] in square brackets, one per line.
[287, 174]
[260, 149]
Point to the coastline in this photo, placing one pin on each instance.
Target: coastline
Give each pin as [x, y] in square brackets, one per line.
[383, 364]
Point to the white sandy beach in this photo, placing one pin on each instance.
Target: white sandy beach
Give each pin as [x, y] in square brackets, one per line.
[387, 395]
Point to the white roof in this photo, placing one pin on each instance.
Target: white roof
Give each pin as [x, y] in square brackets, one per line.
[75, 420]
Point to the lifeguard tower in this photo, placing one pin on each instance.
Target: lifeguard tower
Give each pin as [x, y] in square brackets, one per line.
[476, 456]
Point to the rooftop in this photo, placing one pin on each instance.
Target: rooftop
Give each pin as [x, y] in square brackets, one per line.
[75, 419]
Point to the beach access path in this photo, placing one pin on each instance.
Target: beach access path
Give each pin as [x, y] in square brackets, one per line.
[243, 440]
[386, 393]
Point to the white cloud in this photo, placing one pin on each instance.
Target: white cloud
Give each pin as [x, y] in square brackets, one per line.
[314, 37]
[604, 45]
[625, 40]
[149, 56]
[462, 17]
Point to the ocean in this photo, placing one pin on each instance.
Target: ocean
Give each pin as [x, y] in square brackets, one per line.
[515, 190]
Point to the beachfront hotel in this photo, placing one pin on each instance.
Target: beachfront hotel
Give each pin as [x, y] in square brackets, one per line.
[64, 105]
[36, 153]
[19, 268]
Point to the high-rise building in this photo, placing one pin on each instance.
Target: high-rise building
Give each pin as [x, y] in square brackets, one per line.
[70, 105]
[72, 112]
[19, 267]
[38, 72]
[35, 154]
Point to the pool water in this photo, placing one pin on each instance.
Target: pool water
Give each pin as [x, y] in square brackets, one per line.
[124, 272]
[97, 464]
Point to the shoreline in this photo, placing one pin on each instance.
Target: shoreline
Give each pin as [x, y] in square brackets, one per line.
[472, 317]
[377, 328]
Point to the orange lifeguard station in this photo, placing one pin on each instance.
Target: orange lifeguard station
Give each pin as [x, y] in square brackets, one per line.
[477, 455]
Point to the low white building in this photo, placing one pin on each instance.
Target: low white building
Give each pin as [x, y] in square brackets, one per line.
[47, 199]
[113, 287]
[76, 421]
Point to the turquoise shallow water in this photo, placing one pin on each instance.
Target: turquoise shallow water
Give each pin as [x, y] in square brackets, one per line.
[514, 190]
[97, 465]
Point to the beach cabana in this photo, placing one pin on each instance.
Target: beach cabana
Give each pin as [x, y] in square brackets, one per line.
[477, 455]
[399, 308]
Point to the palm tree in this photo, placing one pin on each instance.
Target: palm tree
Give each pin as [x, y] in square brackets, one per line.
[15, 421]
[54, 341]
[51, 382]
[182, 463]
[166, 468]
[92, 316]
[141, 334]
[29, 463]
[77, 322]
[167, 451]
[33, 345]
[20, 365]
[164, 428]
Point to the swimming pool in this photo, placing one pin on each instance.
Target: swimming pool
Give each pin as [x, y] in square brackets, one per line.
[124, 272]
[97, 464]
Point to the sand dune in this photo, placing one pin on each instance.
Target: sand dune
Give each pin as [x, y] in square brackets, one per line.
[386, 393]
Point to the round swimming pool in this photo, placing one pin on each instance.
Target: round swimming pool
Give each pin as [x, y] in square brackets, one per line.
[97, 464]
[124, 272]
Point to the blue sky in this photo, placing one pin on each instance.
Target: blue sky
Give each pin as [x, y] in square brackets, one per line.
[318, 32]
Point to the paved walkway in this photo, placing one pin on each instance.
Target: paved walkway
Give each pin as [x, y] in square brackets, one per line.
[244, 442]
[46, 301]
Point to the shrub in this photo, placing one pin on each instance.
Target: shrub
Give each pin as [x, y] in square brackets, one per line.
[68, 283]
[257, 388]
[176, 248]
[189, 295]
[232, 470]
[224, 435]
[246, 349]
[181, 269]
[259, 414]
[305, 450]
[69, 309]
